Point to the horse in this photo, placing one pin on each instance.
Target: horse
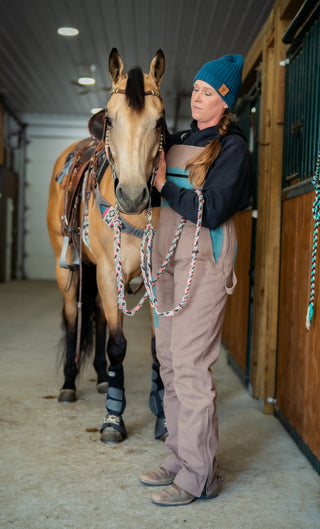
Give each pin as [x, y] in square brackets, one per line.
[93, 180]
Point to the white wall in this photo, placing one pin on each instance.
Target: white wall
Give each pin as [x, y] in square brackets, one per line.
[47, 136]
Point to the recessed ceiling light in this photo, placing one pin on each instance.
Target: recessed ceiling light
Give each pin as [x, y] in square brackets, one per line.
[86, 81]
[68, 31]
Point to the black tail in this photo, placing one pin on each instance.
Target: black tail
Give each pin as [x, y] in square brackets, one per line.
[89, 295]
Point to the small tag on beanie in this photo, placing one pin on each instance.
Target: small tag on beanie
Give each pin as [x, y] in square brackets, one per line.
[223, 90]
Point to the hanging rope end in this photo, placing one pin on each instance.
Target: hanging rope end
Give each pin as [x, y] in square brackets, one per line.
[309, 317]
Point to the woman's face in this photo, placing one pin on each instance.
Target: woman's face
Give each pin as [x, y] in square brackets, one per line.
[207, 106]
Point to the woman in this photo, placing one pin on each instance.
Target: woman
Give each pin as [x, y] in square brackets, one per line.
[211, 156]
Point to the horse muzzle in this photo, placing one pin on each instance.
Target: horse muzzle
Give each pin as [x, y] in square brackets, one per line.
[132, 200]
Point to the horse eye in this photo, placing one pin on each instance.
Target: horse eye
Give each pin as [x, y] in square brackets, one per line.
[159, 123]
[108, 122]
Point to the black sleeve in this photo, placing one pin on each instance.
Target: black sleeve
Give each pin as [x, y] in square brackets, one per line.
[155, 197]
[227, 188]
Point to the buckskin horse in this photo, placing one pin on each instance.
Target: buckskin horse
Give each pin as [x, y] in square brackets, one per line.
[105, 175]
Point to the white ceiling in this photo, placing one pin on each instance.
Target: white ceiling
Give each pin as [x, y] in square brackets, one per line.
[37, 65]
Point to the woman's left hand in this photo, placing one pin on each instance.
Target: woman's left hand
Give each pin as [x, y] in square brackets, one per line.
[160, 178]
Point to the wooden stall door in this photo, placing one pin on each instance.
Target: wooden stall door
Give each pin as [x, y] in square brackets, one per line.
[298, 360]
[236, 322]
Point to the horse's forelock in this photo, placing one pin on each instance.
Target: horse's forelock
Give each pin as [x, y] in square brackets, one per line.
[135, 89]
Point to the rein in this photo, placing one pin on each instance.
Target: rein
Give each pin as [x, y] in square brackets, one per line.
[145, 263]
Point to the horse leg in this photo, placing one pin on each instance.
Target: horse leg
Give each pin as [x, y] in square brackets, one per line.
[156, 397]
[69, 314]
[113, 429]
[100, 361]
[70, 311]
[68, 390]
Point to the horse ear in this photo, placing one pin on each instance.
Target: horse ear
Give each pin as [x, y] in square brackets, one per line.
[157, 67]
[116, 68]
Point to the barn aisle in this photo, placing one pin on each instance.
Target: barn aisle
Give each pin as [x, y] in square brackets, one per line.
[56, 474]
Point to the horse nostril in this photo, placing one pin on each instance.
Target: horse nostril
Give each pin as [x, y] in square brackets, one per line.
[132, 200]
[145, 195]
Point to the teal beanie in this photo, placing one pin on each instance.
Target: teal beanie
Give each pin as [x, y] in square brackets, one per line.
[225, 76]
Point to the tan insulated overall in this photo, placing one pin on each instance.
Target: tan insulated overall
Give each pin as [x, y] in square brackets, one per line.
[188, 343]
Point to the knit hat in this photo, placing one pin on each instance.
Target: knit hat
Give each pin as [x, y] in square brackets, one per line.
[224, 75]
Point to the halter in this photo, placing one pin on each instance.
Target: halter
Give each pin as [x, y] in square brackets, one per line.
[146, 93]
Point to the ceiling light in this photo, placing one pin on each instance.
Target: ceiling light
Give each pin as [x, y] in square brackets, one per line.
[86, 81]
[68, 31]
[96, 110]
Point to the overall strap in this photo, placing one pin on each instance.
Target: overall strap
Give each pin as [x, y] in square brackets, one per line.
[180, 178]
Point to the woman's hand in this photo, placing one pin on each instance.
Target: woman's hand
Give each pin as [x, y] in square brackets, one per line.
[160, 178]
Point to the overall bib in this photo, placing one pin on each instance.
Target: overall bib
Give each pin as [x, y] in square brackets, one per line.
[188, 343]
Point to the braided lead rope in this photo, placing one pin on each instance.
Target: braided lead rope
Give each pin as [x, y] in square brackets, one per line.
[146, 241]
[145, 262]
[146, 266]
[316, 215]
[117, 258]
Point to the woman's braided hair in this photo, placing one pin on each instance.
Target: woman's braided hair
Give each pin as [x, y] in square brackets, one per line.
[200, 164]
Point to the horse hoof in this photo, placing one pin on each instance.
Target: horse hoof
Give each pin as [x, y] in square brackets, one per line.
[162, 437]
[160, 429]
[111, 437]
[67, 395]
[113, 430]
[102, 387]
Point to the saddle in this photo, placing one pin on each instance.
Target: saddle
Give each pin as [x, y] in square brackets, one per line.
[84, 157]
[75, 168]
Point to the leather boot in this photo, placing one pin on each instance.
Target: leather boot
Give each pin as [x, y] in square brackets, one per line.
[161, 476]
[173, 495]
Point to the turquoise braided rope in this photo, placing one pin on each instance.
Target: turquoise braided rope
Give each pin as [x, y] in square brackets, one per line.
[316, 215]
[145, 263]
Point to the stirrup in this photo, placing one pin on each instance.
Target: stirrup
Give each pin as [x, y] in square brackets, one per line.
[76, 260]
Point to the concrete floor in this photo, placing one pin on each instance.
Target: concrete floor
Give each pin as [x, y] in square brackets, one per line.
[56, 474]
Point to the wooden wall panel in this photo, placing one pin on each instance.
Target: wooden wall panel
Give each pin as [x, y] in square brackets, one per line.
[235, 329]
[267, 258]
[298, 362]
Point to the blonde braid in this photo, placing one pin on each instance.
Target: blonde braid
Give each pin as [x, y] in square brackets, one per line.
[200, 164]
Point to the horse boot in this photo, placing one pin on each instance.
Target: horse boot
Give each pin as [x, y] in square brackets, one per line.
[156, 404]
[113, 430]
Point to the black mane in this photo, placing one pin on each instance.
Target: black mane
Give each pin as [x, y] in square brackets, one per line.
[135, 89]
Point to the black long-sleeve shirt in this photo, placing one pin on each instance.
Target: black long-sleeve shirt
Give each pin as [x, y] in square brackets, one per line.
[228, 185]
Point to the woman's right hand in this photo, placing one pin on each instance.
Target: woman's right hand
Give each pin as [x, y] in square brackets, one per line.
[160, 178]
